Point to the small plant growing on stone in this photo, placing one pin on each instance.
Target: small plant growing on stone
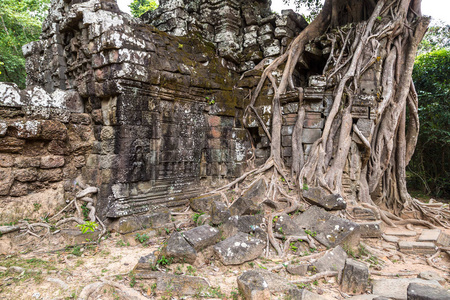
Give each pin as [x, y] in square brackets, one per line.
[196, 216]
[87, 226]
[293, 247]
[190, 270]
[132, 279]
[142, 238]
[163, 261]
[77, 250]
[121, 243]
[311, 233]
[305, 187]
[37, 206]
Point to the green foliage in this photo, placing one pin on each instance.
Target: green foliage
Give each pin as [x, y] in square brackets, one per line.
[20, 23]
[196, 216]
[313, 7]
[138, 7]
[430, 166]
[142, 238]
[85, 211]
[77, 250]
[311, 233]
[437, 37]
[87, 226]
[163, 261]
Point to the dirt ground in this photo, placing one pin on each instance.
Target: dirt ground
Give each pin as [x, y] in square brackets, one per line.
[56, 268]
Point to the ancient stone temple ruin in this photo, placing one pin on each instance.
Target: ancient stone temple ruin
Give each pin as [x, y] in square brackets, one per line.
[151, 110]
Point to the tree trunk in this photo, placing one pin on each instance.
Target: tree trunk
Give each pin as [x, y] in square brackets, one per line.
[383, 37]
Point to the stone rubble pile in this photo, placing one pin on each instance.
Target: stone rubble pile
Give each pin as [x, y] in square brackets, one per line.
[239, 238]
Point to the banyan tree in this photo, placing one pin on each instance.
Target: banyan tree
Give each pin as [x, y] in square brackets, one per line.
[372, 46]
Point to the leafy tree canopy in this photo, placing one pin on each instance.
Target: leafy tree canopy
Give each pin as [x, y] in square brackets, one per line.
[313, 7]
[20, 23]
[138, 7]
[432, 159]
[437, 37]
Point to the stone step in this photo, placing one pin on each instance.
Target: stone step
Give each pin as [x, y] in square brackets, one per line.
[417, 247]
[399, 232]
[435, 235]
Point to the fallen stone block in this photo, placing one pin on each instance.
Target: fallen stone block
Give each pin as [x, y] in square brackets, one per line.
[435, 235]
[430, 275]
[171, 284]
[420, 248]
[397, 288]
[239, 248]
[146, 262]
[304, 294]
[203, 203]
[319, 197]
[399, 232]
[363, 213]
[244, 206]
[371, 229]
[334, 260]
[329, 229]
[179, 249]
[219, 212]
[390, 238]
[297, 268]
[253, 286]
[285, 225]
[135, 223]
[248, 203]
[355, 277]
[417, 291]
[202, 236]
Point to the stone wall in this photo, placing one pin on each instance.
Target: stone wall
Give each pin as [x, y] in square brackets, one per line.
[43, 148]
[244, 32]
[152, 118]
[165, 116]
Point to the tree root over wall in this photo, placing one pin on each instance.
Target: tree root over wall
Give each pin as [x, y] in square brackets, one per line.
[386, 32]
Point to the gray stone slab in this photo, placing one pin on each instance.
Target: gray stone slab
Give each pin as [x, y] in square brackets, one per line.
[179, 249]
[203, 203]
[304, 294]
[331, 261]
[390, 238]
[430, 275]
[363, 297]
[355, 277]
[434, 235]
[329, 229]
[318, 196]
[202, 236]
[239, 248]
[371, 229]
[219, 212]
[399, 232]
[417, 247]
[417, 291]
[397, 288]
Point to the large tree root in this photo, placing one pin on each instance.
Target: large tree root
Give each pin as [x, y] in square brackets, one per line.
[32, 228]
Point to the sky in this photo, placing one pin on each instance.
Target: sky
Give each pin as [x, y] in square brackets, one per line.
[438, 9]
